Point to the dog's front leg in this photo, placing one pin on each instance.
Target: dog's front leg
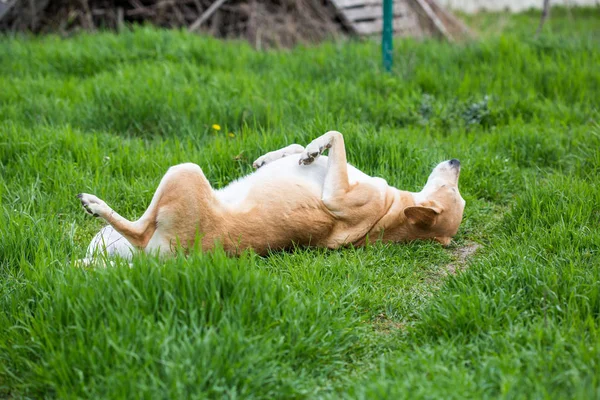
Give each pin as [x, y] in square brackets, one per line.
[336, 179]
[277, 154]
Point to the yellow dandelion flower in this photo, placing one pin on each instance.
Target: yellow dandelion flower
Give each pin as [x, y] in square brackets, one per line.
[216, 127]
[231, 134]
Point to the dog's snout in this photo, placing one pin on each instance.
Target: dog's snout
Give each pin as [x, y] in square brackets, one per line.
[454, 163]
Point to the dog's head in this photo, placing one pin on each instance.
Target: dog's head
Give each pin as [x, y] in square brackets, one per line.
[439, 206]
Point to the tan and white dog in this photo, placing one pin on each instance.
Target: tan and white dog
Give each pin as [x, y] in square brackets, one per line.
[296, 197]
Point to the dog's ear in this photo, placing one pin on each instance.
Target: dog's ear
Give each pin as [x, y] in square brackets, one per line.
[423, 215]
[444, 240]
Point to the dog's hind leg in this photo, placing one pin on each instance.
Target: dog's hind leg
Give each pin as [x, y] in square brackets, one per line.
[183, 205]
[277, 154]
[137, 233]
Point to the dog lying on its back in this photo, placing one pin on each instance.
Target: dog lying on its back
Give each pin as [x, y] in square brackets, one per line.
[296, 197]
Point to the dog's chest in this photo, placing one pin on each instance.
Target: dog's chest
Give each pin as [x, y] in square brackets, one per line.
[274, 178]
[278, 175]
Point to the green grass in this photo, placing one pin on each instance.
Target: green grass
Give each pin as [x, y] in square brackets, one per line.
[108, 114]
[564, 21]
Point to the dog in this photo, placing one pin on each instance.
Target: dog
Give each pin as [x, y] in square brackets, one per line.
[296, 197]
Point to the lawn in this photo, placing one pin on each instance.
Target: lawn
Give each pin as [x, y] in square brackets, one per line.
[511, 309]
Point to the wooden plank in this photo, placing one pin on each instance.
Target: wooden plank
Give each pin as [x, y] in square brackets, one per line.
[342, 4]
[372, 12]
[372, 27]
[345, 21]
[365, 17]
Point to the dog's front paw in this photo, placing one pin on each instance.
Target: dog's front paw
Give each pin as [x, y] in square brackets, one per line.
[307, 157]
[92, 204]
[260, 161]
[313, 151]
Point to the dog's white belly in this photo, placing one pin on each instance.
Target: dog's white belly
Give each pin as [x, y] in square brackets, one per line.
[111, 243]
[287, 169]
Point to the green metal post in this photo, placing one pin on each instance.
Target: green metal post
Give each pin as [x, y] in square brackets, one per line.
[386, 39]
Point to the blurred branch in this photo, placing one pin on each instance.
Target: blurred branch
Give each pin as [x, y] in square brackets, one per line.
[545, 14]
[206, 15]
[5, 6]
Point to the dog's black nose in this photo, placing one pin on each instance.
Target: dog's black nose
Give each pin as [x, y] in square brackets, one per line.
[454, 162]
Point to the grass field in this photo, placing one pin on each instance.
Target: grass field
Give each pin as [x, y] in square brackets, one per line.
[108, 114]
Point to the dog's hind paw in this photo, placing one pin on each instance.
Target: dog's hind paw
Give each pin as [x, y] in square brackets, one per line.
[92, 204]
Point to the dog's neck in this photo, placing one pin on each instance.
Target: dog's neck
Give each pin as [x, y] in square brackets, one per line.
[394, 226]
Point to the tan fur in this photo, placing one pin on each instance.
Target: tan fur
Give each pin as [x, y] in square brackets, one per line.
[282, 212]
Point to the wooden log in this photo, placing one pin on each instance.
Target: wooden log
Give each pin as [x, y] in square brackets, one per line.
[431, 16]
[450, 20]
